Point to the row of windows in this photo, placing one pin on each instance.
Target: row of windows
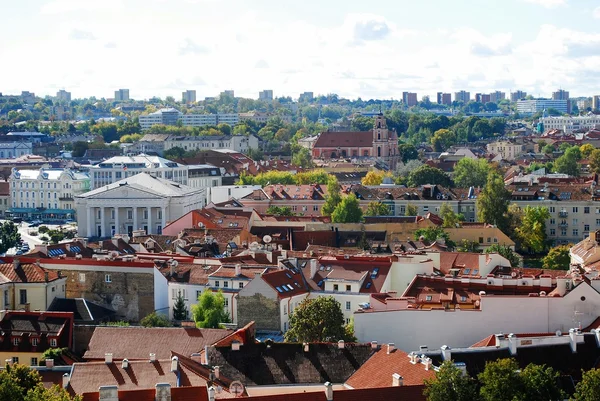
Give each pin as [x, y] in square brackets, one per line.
[129, 214]
[226, 284]
[41, 185]
[107, 278]
[33, 205]
[41, 195]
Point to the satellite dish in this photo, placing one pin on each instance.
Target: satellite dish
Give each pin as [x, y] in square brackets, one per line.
[558, 333]
[236, 388]
[267, 239]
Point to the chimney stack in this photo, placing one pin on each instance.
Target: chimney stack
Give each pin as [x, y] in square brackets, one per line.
[152, 357]
[512, 344]
[65, 380]
[373, 344]
[573, 334]
[217, 371]
[314, 266]
[124, 363]
[397, 380]
[329, 391]
[108, 393]
[390, 348]
[16, 263]
[174, 364]
[446, 353]
[306, 347]
[108, 358]
[235, 345]
[341, 344]
[163, 392]
[50, 363]
[211, 394]
[238, 269]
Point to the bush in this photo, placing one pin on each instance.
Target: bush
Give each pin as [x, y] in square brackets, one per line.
[43, 229]
[155, 320]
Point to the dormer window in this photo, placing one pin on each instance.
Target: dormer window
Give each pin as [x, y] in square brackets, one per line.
[15, 342]
[53, 342]
[34, 342]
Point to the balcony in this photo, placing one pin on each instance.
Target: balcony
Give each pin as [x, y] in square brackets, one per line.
[563, 213]
[563, 224]
[66, 198]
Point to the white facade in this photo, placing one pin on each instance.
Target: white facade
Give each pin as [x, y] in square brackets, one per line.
[46, 191]
[225, 192]
[237, 143]
[12, 150]
[533, 106]
[139, 202]
[571, 124]
[121, 167]
[411, 328]
[204, 176]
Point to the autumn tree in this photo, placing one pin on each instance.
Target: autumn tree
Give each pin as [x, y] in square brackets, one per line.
[586, 150]
[492, 201]
[451, 384]
[471, 173]
[594, 160]
[377, 208]
[347, 211]
[450, 217]
[209, 312]
[558, 258]
[317, 320]
[373, 178]
[411, 210]
[532, 231]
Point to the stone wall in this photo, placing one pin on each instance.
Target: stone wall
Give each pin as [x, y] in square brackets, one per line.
[81, 338]
[260, 309]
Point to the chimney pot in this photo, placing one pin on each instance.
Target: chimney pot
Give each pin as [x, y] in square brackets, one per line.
[108, 357]
[306, 347]
[329, 391]
[341, 344]
[390, 348]
[235, 346]
[174, 364]
[125, 363]
[217, 371]
[397, 380]
[49, 363]
[373, 344]
[152, 357]
[65, 380]
[211, 394]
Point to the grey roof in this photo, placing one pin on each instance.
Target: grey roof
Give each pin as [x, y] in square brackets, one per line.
[83, 310]
[147, 183]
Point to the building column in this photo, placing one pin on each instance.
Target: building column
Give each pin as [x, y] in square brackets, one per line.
[116, 220]
[135, 218]
[149, 220]
[102, 222]
[164, 217]
[89, 221]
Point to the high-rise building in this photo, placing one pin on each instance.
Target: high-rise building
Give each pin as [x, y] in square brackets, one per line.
[462, 96]
[28, 97]
[482, 98]
[517, 95]
[63, 96]
[228, 92]
[596, 102]
[306, 97]
[560, 95]
[496, 96]
[409, 99]
[122, 95]
[533, 106]
[267, 94]
[444, 98]
[189, 96]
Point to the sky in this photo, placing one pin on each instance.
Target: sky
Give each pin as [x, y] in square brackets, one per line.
[355, 48]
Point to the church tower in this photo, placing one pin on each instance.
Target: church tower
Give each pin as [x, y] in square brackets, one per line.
[380, 137]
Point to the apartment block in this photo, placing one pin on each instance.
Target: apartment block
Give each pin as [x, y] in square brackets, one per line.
[517, 95]
[266, 94]
[189, 96]
[462, 96]
[63, 96]
[121, 95]
[444, 98]
[535, 105]
[409, 99]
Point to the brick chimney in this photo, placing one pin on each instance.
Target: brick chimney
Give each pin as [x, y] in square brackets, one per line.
[163, 392]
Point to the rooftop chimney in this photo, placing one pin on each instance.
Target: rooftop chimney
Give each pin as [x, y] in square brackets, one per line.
[217, 371]
[163, 392]
[238, 269]
[108, 393]
[391, 347]
[427, 362]
[211, 394]
[16, 263]
[152, 357]
[512, 344]
[423, 348]
[573, 334]
[174, 364]
[397, 380]
[108, 357]
[341, 344]
[314, 267]
[49, 363]
[125, 363]
[306, 347]
[329, 391]
[596, 332]
[446, 353]
[373, 344]
[65, 380]
[235, 346]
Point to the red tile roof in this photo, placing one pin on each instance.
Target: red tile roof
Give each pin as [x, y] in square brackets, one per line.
[26, 273]
[344, 139]
[138, 342]
[286, 282]
[190, 273]
[247, 272]
[378, 370]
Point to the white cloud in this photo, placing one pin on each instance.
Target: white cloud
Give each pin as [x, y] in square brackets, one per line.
[596, 12]
[57, 7]
[548, 3]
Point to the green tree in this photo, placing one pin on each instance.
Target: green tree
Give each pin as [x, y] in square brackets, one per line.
[411, 210]
[9, 236]
[532, 231]
[53, 353]
[154, 319]
[492, 201]
[540, 383]
[362, 123]
[450, 217]
[428, 175]
[175, 152]
[451, 384]
[347, 211]
[442, 139]
[588, 389]
[568, 163]
[468, 246]
[407, 152]
[209, 312]
[180, 311]
[558, 258]
[317, 320]
[500, 381]
[302, 158]
[432, 234]
[548, 149]
[505, 251]
[377, 208]
[594, 160]
[333, 197]
[20, 383]
[471, 173]
[280, 211]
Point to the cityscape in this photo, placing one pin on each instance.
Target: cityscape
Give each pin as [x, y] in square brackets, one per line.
[205, 200]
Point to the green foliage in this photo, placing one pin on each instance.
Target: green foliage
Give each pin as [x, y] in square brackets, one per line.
[442, 139]
[175, 152]
[471, 173]
[558, 258]
[428, 175]
[451, 384]
[594, 160]
[333, 197]
[9, 236]
[347, 211]
[317, 320]
[492, 201]
[567, 163]
[209, 312]
[118, 323]
[20, 383]
[180, 311]
[588, 389]
[505, 251]
[154, 319]
[53, 353]
[361, 123]
[432, 234]
[540, 383]
[548, 149]
[130, 138]
[450, 217]
[468, 246]
[280, 211]
[43, 229]
[411, 210]
[532, 231]
[302, 158]
[377, 208]
[273, 177]
[407, 152]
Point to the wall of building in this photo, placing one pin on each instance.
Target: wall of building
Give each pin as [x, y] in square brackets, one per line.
[24, 357]
[258, 302]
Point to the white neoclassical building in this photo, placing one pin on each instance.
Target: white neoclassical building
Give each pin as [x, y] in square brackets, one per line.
[139, 202]
[46, 193]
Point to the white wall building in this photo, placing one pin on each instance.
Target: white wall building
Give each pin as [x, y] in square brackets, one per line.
[225, 192]
[46, 193]
[139, 202]
[571, 124]
[533, 106]
[120, 167]
[237, 143]
[12, 150]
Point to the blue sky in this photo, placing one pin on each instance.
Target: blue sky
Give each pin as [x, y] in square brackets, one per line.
[368, 49]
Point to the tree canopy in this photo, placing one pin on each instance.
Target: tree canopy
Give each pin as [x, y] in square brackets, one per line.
[376, 208]
[318, 320]
[374, 178]
[428, 175]
[20, 383]
[209, 312]
[347, 211]
[532, 231]
[558, 258]
[180, 311]
[333, 197]
[492, 201]
[9, 236]
[471, 173]
[155, 320]
[451, 384]
[588, 389]
[505, 251]
[280, 210]
[432, 234]
[450, 217]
